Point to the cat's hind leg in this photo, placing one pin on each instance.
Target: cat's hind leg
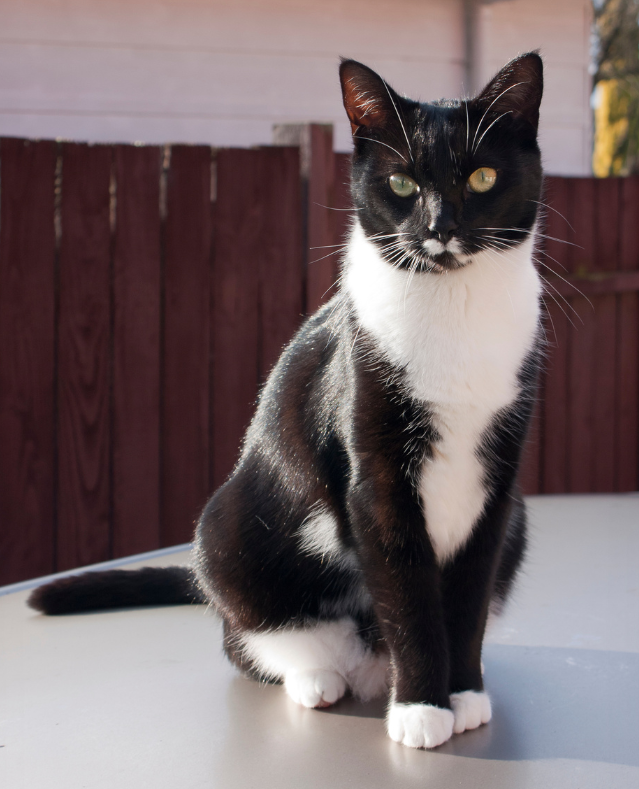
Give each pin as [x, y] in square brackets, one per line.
[319, 662]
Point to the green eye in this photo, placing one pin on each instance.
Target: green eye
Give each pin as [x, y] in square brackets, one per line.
[402, 185]
[482, 180]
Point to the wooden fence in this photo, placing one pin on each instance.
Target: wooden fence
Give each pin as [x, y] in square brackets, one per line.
[145, 292]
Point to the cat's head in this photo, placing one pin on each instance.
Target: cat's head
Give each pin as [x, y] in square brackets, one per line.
[434, 183]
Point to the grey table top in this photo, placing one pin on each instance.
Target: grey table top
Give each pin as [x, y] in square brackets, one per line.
[144, 698]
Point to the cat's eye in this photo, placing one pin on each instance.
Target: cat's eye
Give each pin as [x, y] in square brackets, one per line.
[402, 185]
[482, 180]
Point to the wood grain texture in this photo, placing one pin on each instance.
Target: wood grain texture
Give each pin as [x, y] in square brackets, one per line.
[554, 462]
[583, 337]
[606, 221]
[136, 351]
[185, 375]
[280, 255]
[530, 468]
[627, 375]
[322, 268]
[84, 359]
[596, 283]
[27, 257]
[239, 246]
[343, 214]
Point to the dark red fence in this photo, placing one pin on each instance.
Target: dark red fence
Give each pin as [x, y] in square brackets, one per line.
[145, 292]
[585, 435]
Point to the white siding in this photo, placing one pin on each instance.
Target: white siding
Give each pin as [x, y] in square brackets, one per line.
[224, 71]
[215, 71]
[560, 29]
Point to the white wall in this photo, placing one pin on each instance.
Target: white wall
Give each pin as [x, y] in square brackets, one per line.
[224, 71]
[561, 30]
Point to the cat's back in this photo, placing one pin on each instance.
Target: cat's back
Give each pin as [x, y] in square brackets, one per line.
[305, 390]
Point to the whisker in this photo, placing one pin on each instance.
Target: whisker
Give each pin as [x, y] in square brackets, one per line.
[537, 233]
[549, 292]
[554, 260]
[330, 207]
[334, 252]
[401, 123]
[550, 208]
[552, 323]
[411, 273]
[489, 128]
[489, 106]
[467, 125]
[567, 281]
[372, 139]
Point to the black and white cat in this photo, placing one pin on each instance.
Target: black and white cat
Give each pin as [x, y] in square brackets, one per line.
[374, 517]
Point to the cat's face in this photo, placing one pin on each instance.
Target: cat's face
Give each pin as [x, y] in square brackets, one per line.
[435, 183]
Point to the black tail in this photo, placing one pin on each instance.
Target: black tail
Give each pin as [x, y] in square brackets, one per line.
[93, 591]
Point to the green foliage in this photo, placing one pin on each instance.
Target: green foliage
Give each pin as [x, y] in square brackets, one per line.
[617, 71]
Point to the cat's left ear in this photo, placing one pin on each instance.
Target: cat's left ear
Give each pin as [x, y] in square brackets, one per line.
[369, 102]
[517, 89]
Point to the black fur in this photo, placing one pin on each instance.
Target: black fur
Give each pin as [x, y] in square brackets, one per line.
[336, 423]
[117, 589]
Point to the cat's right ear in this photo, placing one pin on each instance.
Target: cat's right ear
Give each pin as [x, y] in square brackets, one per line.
[368, 100]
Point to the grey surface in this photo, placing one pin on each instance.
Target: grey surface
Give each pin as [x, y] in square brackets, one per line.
[144, 698]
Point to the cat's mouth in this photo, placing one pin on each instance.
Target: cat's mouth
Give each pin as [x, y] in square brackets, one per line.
[442, 262]
[425, 256]
[433, 256]
[444, 256]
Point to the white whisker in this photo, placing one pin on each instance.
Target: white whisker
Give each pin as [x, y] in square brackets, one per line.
[371, 139]
[467, 125]
[550, 208]
[401, 123]
[489, 128]
[488, 108]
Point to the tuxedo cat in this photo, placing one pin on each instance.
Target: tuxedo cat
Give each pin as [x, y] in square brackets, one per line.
[374, 517]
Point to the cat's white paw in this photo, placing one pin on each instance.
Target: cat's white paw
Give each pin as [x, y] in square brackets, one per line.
[419, 725]
[471, 709]
[316, 688]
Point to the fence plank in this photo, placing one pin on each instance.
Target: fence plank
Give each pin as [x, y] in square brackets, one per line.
[323, 267]
[136, 351]
[583, 336]
[280, 255]
[239, 222]
[185, 383]
[555, 397]
[606, 221]
[27, 253]
[530, 469]
[627, 402]
[343, 203]
[84, 358]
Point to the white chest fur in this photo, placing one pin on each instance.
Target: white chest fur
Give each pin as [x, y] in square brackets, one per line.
[461, 336]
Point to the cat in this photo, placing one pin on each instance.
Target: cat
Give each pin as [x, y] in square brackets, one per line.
[374, 518]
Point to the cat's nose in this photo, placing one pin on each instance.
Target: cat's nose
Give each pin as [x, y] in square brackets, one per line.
[443, 224]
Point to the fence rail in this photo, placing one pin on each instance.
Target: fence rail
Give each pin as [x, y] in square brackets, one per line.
[146, 291]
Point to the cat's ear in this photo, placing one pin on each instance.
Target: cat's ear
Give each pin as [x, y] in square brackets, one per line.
[516, 89]
[368, 100]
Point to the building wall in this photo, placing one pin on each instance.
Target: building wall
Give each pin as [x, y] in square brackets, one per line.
[561, 29]
[224, 71]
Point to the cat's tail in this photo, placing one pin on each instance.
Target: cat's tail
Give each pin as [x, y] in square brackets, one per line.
[94, 591]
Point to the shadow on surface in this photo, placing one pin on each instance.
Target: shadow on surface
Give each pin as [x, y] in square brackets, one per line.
[552, 703]
[548, 703]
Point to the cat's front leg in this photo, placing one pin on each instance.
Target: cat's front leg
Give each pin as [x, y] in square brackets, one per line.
[468, 584]
[403, 578]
